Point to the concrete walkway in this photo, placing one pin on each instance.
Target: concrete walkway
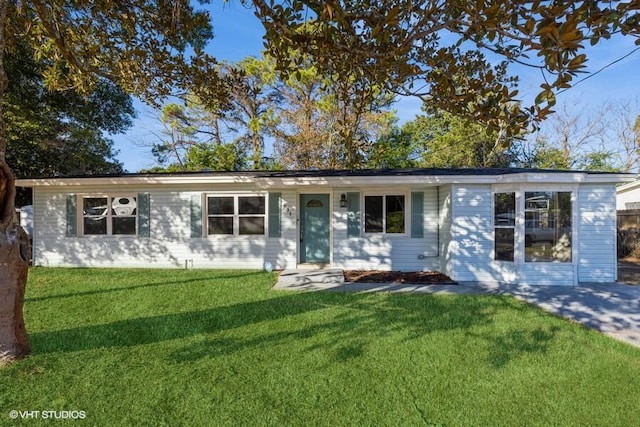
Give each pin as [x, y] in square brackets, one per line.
[613, 309]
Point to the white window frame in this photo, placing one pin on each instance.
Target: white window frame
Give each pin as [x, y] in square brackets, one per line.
[520, 190]
[573, 192]
[407, 210]
[109, 216]
[513, 227]
[236, 214]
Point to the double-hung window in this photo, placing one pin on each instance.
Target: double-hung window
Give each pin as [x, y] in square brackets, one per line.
[109, 216]
[236, 215]
[385, 214]
[504, 221]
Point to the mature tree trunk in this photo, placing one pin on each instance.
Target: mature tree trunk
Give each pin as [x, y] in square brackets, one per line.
[14, 244]
[14, 253]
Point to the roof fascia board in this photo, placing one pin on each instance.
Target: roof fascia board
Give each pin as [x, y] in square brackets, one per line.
[135, 180]
[380, 180]
[629, 186]
[332, 181]
[564, 178]
[613, 178]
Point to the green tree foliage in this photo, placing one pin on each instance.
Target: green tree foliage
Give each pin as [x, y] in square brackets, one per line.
[602, 161]
[542, 155]
[60, 133]
[441, 139]
[396, 149]
[438, 50]
[180, 133]
[216, 157]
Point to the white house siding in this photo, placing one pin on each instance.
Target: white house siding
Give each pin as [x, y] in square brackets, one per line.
[471, 243]
[597, 234]
[383, 252]
[547, 273]
[444, 204]
[628, 196]
[170, 243]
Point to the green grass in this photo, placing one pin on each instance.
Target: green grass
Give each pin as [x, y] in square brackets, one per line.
[199, 348]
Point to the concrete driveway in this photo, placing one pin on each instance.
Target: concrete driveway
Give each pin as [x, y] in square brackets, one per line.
[613, 309]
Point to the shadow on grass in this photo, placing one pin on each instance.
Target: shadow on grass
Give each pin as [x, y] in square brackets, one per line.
[346, 324]
[513, 344]
[146, 285]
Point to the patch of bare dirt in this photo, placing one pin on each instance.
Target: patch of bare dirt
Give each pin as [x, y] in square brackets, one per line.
[378, 276]
[629, 270]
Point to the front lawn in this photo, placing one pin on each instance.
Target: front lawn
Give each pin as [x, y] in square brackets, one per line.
[200, 348]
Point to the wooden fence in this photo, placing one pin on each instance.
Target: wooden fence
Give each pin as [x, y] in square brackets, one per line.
[628, 232]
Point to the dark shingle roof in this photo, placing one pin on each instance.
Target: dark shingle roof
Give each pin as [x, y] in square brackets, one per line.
[348, 173]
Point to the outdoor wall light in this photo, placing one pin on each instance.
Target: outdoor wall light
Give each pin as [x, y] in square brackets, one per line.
[343, 200]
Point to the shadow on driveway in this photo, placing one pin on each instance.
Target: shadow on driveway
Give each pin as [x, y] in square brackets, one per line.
[610, 308]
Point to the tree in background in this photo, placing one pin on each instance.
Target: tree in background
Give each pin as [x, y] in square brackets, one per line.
[315, 122]
[601, 139]
[396, 149]
[138, 45]
[218, 157]
[252, 100]
[303, 136]
[181, 130]
[440, 139]
[623, 133]
[222, 134]
[326, 123]
[436, 50]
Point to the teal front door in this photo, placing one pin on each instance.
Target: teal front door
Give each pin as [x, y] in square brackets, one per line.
[314, 228]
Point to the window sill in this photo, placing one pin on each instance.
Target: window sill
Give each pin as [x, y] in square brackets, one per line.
[107, 236]
[389, 235]
[234, 236]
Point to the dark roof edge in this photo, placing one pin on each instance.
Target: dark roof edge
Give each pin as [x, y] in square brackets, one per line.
[343, 172]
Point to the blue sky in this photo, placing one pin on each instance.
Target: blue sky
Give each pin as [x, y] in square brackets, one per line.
[238, 34]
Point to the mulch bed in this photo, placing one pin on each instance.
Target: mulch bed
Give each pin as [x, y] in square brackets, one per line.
[417, 277]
